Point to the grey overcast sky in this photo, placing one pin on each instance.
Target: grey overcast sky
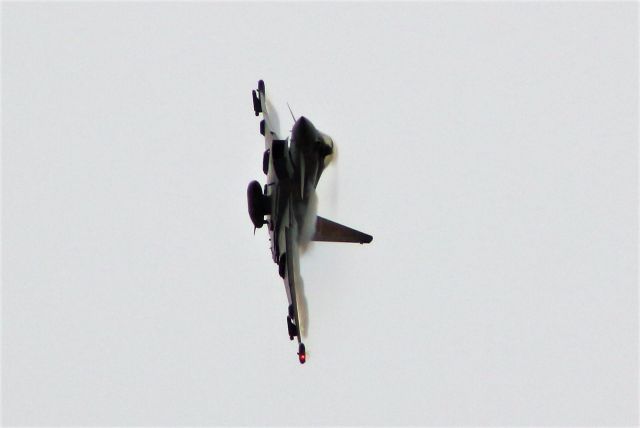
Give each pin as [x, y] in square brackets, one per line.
[489, 148]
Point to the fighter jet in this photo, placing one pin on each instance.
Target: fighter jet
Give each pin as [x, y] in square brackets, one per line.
[293, 167]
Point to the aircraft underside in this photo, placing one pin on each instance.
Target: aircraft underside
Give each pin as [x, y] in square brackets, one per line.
[292, 169]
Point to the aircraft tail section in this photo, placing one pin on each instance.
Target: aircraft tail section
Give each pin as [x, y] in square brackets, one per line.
[330, 231]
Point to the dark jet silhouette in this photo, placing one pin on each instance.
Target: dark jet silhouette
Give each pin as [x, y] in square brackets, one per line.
[293, 168]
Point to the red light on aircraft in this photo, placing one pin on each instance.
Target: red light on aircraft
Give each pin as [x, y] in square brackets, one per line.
[302, 358]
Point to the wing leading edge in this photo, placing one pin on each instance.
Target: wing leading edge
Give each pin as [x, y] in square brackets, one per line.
[330, 231]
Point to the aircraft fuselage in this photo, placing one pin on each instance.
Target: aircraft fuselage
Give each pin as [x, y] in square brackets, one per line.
[293, 168]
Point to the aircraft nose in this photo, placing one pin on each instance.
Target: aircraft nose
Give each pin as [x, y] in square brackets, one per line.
[303, 132]
[302, 125]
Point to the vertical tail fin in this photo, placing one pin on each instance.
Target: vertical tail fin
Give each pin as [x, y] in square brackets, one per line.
[330, 231]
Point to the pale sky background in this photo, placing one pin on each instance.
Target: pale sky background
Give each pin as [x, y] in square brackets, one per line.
[489, 148]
